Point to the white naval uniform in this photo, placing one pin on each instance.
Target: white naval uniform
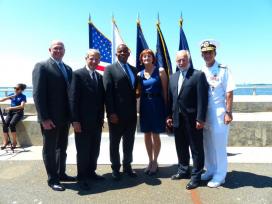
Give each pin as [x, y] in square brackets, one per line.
[215, 133]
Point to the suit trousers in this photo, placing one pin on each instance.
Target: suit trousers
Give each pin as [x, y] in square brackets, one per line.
[126, 131]
[55, 143]
[187, 136]
[88, 148]
[215, 140]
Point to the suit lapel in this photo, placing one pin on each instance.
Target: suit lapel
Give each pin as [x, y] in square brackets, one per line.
[121, 71]
[186, 78]
[88, 80]
[57, 69]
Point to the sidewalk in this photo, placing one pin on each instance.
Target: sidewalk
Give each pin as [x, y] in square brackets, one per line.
[249, 179]
[24, 182]
[167, 155]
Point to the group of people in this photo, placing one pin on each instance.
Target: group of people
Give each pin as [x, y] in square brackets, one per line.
[196, 104]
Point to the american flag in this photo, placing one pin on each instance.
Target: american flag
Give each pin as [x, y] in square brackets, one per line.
[100, 42]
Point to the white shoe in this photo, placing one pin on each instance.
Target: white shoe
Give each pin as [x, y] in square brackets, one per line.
[206, 176]
[215, 184]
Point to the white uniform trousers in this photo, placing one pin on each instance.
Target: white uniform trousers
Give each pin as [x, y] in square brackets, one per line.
[215, 139]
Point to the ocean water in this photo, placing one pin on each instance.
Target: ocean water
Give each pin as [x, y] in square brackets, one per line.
[258, 89]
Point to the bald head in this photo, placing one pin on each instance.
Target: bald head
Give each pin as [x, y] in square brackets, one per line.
[57, 50]
[122, 53]
[183, 59]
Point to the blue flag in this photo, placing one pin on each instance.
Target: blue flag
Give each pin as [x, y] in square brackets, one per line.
[140, 46]
[162, 55]
[183, 44]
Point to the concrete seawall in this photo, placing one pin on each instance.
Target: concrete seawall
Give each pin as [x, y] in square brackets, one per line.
[252, 125]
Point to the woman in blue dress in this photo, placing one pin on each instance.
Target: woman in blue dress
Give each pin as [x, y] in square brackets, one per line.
[15, 113]
[153, 91]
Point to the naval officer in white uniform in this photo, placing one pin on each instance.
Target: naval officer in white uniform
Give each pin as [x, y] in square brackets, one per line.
[219, 115]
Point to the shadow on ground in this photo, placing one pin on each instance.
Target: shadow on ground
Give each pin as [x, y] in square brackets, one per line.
[126, 182]
[239, 179]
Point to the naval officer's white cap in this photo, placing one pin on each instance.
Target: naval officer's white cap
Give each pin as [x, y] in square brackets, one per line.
[208, 45]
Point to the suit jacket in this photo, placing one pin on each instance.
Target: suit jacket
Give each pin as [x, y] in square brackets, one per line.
[87, 99]
[50, 92]
[120, 94]
[192, 100]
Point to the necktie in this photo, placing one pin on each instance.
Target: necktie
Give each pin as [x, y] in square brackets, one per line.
[94, 78]
[126, 68]
[180, 80]
[63, 70]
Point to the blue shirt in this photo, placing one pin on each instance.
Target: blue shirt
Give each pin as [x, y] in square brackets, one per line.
[17, 100]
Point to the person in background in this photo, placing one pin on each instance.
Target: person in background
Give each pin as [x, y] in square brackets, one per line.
[87, 97]
[188, 101]
[153, 91]
[15, 113]
[219, 115]
[51, 82]
[120, 89]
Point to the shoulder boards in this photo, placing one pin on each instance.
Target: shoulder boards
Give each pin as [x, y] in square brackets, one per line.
[222, 66]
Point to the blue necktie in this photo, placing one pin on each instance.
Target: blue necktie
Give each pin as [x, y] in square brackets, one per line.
[63, 70]
[129, 75]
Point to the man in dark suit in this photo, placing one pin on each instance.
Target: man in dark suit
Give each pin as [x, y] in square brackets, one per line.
[51, 81]
[87, 109]
[188, 100]
[120, 87]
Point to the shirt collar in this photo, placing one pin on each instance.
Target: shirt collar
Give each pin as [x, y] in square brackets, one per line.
[184, 70]
[89, 70]
[56, 61]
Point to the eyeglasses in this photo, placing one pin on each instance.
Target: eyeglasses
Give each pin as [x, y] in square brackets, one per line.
[16, 88]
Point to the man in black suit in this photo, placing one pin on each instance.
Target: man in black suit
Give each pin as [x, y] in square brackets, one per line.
[120, 87]
[87, 109]
[188, 100]
[51, 81]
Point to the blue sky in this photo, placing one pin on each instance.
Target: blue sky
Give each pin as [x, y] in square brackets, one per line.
[243, 28]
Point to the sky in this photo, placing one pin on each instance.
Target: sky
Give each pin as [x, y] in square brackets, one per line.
[242, 27]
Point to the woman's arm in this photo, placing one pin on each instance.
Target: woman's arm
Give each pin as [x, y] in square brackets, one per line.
[6, 98]
[20, 107]
[164, 82]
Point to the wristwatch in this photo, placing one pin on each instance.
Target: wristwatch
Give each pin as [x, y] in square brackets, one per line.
[229, 113]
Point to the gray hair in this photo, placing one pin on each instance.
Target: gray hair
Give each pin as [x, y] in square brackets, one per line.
[93, 51]
[184, 52]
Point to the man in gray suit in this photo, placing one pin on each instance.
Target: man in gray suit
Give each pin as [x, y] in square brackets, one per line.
[120, 89]
[51, 81]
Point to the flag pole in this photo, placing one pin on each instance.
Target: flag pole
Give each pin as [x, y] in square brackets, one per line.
[90, 19]
[158, 19]
[180, 20]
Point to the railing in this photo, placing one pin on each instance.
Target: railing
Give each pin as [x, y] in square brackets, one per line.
[6, 91]
[253, 90]
[240, 90]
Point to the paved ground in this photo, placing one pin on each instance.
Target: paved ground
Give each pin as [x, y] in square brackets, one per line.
[25, 182]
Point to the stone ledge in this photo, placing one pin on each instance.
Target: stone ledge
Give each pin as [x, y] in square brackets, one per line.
[247, 129]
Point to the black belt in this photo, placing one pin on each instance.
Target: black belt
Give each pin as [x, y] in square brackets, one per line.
[151, 95]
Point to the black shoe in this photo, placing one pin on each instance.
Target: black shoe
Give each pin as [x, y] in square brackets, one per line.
[192, 184]
[84, 186]
[67, 178]
[179, 176]
[57, 187]
[96, 177]
[116, 175]
[130, 172]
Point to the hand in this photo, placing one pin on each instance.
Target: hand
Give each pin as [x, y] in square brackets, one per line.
[228, 118]
[199, 125]
[169, 122]
[114, 118]
[48, 124]
[77, 127]
[7, 109]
